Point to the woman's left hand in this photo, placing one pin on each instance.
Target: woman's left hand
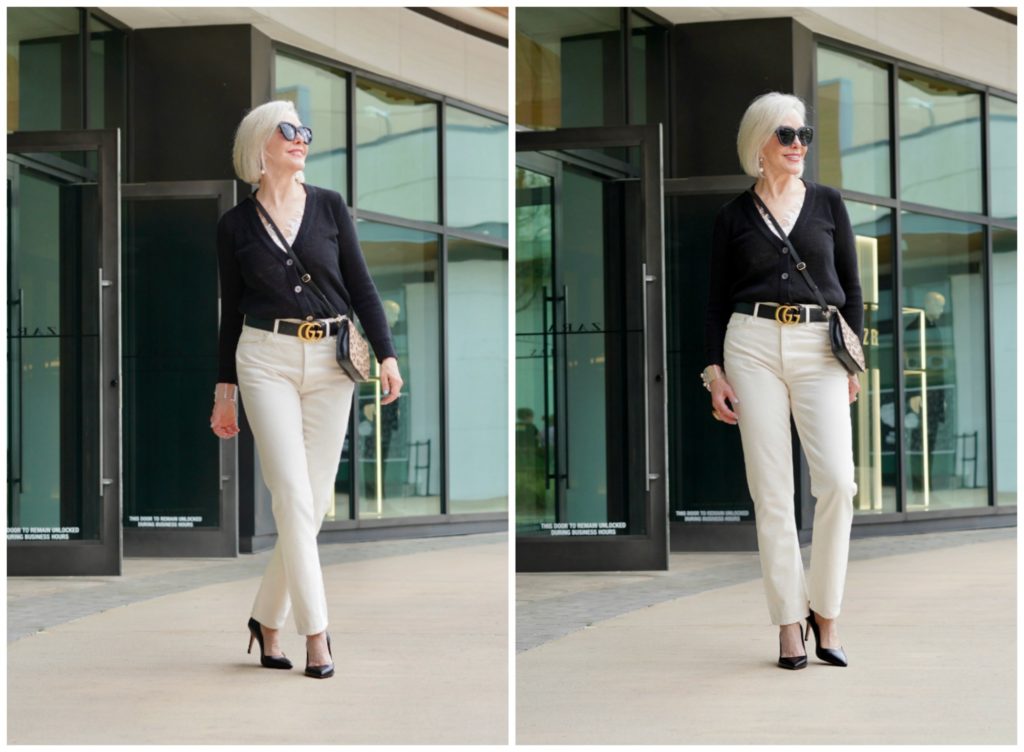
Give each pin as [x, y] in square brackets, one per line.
[854, 384]
[390, 380]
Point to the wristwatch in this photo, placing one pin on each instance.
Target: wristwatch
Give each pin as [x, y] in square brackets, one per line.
[709, 374]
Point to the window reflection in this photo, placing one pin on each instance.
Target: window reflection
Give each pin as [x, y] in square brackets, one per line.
[477, 299]
[568, 67]
[1003, 132]
[477, 173]
[944, 362]
[44, 69]
[320, 96]
[940, 143]
[1004, 337]
[396, 152]
[399, 445]
[873, 414]
[852, 138]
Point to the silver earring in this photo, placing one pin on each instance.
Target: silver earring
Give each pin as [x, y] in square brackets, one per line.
[760, 165]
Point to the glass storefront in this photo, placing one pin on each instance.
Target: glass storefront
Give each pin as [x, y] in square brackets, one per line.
[1003, 163]
[1004, 362]
[394, 456]
[873, 414]
[852, 137]
[940, 143]
[944, 363]
[396, 153]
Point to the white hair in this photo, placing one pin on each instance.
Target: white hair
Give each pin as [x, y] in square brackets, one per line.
[251, 138]
[759, 122]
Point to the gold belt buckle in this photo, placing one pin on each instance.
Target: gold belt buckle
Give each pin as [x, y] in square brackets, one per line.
[787, 314]
[311, 331]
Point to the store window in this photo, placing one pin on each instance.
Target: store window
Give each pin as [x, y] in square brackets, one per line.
[1004, 338]
[399, 444]
[106, 75]
[477, 298]
[44, 69]
[647, 54]
[1003, 133]
[476, 173]
[396, 152]
[852, 137]
[874, 413]
[569, 67]
[320, 96]
[940, 143]
[945, 364]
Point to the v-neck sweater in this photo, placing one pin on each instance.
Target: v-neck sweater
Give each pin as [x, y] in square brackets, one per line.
[750, 264]
[258, 280]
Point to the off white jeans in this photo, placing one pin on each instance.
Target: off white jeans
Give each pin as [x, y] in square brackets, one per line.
[297, 400]
[777, 370]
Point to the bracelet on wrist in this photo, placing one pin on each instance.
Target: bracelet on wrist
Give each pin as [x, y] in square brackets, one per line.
[229, 392]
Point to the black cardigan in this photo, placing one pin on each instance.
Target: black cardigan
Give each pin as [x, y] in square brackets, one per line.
[258, 278]
[750, 264]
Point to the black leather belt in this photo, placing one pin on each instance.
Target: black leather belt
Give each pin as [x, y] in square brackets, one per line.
[310, 331]
[803, 313]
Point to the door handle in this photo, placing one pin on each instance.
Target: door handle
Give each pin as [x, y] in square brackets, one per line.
[103, 283]
[648, 476]
[547, 412]
[565, 380]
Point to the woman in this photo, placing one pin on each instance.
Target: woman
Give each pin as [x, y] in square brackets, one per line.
[768, 360]
[282, 359]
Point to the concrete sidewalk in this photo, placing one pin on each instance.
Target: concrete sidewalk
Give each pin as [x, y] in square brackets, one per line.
[418, 627]
[688, 656]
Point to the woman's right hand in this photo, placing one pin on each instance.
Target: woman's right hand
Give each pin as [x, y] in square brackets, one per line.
[224, 419]
[721, 391]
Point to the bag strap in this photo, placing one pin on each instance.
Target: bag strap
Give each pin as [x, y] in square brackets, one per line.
[298, 264]
[800, 265]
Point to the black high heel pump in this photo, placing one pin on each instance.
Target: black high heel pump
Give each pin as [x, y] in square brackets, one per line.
[795, 661]
[835, 656]
[267, 661]
[324, 671]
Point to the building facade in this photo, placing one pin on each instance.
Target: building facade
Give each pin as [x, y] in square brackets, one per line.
[120, 126]
[631, 115]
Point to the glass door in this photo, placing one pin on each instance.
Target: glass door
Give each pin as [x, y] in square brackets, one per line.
[590, 412]
[180, 481]
[63, 369]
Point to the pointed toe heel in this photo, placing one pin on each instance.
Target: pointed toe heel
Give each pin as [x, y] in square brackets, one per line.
[324, 671]
[834, 656]
[267, 661]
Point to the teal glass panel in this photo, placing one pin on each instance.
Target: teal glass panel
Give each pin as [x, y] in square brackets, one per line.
[872, 415]
[569, 67]
[320, 96]
[53, 344]
[852, 123]
[106, 76]
[1004, 364]
[44, 69]
[400, 452]
[940, 143]
[396, 152]
[476, 178]
[477, 352]
[1002, 123]
[535, 378]
[944, 362]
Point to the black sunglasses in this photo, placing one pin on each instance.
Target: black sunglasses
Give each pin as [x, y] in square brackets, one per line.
[289, 131]
[787, 134]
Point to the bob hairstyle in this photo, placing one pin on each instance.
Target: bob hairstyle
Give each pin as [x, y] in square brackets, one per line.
[252, 136]
[759, 122]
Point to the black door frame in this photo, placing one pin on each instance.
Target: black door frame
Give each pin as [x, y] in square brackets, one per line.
[103, 555]
[627, 552]
[197, 541]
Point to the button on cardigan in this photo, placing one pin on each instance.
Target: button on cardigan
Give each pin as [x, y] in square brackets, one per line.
[750, 264]
[257, 279]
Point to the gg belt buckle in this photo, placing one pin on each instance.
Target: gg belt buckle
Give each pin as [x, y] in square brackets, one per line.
[787, 314]
[311, 331]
